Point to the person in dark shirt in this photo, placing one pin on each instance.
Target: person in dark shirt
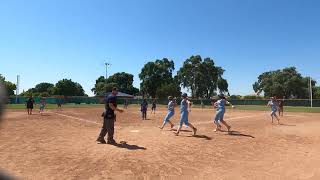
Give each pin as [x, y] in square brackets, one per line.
[144, 108]
[59, 102]
[109, 118]
[154, 107]
[29, 105]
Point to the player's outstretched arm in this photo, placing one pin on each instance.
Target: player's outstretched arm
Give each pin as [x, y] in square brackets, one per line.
[115, 108]
[229, 103]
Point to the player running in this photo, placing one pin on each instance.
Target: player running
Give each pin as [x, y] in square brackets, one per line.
[171, 106]
[273, 103]
[184, 115]
[220, 105]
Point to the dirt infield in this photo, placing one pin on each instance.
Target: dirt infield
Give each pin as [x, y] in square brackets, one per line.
[61, 145]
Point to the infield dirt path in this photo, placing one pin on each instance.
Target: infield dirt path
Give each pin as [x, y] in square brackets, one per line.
[61, 145]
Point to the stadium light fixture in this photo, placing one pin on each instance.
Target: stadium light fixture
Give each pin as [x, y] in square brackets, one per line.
[106, 64]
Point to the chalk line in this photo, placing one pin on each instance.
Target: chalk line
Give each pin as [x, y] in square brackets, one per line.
[76, 118]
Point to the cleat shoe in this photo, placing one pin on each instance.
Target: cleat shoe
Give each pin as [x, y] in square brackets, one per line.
[195, 131]
[101, 141]
[111, 141]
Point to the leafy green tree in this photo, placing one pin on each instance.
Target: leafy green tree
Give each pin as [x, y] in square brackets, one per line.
[316, 92]
[123, 81]
[42, 89]
[29, 92]
[169, 89]
[286, 82]
[67, 87]
[222, 85]
[44, 94]
[100, 86]
[10, 87]
[155, 75]
[252, 97]
[235, 97]
[202, 77]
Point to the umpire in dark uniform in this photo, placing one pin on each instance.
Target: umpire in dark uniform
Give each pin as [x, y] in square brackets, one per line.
[109, 118]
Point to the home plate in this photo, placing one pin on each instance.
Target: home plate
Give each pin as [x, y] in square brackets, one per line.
[134, 131]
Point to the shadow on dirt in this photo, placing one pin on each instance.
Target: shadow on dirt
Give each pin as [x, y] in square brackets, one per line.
[147, 119]
[287, 124]
[125, 145]
[182, 130]
[237, 133]
[201, 137]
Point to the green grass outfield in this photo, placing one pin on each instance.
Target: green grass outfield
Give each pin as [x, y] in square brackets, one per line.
[246, 107]
[265, 108]
[54, 106]
[286, 108]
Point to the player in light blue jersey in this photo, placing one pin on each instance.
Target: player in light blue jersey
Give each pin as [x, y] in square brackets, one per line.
[170, 114]
[220, 105]
[184, 115]
[273, 103]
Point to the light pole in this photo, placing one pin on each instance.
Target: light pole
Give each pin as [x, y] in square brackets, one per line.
[310, 83]
[17, 88]
[107, 64]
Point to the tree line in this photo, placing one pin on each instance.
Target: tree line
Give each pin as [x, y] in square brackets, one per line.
[64, 87]
[200, 76]
[287, 82]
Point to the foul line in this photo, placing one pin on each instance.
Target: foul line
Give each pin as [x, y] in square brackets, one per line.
[76, 118]
[293, 116]
[242, 117]
[199, 123]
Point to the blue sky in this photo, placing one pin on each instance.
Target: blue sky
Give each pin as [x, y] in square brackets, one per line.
[45, 40]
